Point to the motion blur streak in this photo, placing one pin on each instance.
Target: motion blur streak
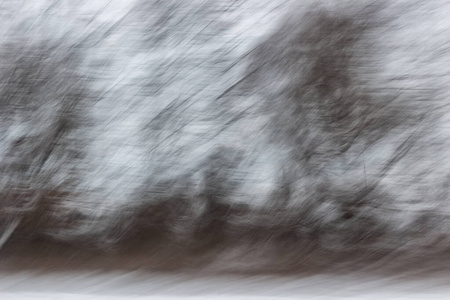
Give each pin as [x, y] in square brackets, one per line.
[211, 136]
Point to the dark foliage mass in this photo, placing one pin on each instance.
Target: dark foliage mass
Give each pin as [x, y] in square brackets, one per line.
[242, 135]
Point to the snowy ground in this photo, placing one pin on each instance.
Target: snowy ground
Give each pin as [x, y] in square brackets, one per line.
[118, 285]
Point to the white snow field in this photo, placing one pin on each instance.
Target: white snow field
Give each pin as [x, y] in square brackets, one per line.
[135, 285]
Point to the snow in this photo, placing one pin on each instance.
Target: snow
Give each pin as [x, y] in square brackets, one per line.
[177, 286]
